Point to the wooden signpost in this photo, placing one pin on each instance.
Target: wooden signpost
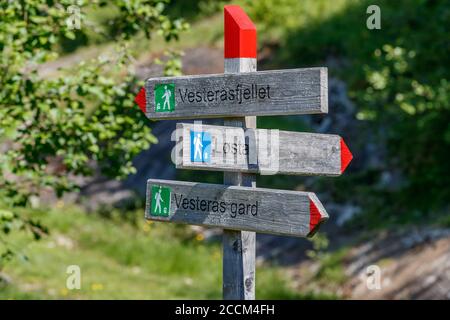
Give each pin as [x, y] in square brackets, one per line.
[242, 151]
[260, 151]
[239, 247]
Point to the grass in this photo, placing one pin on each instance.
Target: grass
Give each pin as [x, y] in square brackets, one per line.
[332, 269]
[119, 260]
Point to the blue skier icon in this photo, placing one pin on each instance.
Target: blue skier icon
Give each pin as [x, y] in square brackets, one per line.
[200, 146]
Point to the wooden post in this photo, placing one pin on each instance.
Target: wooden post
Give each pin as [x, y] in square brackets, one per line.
[239, 246]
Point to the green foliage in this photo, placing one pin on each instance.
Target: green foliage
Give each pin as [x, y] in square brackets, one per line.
[398, 79]
[107, 21]
[55, 128]
[172, 65]
[331, 271]
[276, 18]
[414, 106]
[195, 9]
[11, 222]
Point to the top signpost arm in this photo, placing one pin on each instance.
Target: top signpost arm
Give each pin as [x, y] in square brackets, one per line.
[241, 91]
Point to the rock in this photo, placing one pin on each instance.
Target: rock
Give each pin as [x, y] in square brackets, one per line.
[418, 265]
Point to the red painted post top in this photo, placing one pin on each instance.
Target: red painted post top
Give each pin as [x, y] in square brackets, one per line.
[240, 33]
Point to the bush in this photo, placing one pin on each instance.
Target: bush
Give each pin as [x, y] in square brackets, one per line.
[397, 77]
[55, 128]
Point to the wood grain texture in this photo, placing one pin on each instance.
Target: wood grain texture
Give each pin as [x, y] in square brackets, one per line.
[262, 151]
[262, 210]
[279, 92]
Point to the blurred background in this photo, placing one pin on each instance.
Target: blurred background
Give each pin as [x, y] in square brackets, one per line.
[76, 151]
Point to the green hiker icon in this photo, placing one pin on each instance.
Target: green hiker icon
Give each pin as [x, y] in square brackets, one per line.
[160, 205]
[164, 97]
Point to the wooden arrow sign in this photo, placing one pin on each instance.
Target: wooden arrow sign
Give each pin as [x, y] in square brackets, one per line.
[282, 92]
[261, 151]
[280, 212]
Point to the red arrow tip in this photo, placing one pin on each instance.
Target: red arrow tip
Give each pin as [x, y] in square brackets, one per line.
[240, 33]
[317, 214]
[140, 99]
[346, 156]
[314, 216]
